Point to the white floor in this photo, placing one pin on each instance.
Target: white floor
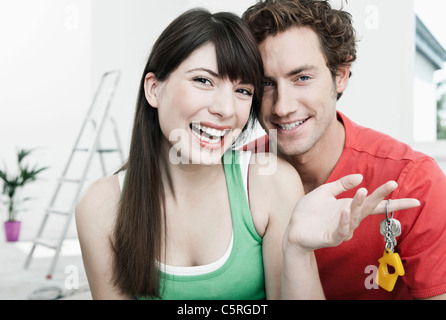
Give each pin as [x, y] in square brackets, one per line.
[17, 283]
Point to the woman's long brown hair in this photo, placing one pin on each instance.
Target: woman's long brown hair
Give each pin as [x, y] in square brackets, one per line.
[137, 240]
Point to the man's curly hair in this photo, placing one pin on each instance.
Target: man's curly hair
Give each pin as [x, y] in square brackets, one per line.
[333, 27]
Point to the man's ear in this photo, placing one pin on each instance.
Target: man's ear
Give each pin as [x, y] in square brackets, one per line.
[151, 84]
[342, 77]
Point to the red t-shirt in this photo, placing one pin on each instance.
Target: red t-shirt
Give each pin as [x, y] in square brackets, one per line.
[348, 271]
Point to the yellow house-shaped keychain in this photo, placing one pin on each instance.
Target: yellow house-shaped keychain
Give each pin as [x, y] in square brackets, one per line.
[385, 279]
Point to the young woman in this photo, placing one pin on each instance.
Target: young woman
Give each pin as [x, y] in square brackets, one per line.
[189, 218]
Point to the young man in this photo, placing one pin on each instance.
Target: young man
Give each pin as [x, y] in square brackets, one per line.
[307, 49]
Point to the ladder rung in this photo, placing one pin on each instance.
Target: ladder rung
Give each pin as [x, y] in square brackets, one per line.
[69, 180]
[45, 243]
[97, 150]
[107, 150]
[57, 211]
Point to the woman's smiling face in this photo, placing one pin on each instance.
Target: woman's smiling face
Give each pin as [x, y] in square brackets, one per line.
[200, 113]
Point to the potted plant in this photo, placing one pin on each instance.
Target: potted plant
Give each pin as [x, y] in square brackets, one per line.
[11, 185]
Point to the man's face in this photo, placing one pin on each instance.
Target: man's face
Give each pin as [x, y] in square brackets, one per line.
[300, 93]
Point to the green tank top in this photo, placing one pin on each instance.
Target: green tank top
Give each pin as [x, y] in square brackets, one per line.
[241, 277]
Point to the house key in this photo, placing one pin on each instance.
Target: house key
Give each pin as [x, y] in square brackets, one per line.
[390, 228]
[395, 227]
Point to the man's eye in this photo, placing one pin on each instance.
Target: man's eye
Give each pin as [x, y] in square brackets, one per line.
[267, 84]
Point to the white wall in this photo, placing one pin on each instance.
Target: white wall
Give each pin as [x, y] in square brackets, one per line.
[379, 95]
[45, 64]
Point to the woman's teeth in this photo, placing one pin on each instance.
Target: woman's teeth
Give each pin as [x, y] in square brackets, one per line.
[207, 134]
[290, 126]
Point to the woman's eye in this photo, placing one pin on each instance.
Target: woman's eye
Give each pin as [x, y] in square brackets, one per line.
[245, 92]
[202, 80]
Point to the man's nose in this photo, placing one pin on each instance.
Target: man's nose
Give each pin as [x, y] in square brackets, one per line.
[285, 101]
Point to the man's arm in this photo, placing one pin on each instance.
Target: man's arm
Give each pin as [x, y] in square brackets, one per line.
[424, 243]
[440, 297]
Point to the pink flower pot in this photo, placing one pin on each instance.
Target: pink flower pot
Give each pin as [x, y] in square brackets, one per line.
[12, 230]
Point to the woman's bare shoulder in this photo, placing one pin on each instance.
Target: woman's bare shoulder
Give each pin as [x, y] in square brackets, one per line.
[274, 189]
[99, 203]
[96, 212]
[274, 174]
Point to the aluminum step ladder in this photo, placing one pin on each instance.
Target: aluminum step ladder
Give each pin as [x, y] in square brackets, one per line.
[102, 100]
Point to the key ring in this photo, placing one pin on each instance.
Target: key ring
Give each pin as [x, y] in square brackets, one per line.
[389, 246]
[389, 243]
[387, 211]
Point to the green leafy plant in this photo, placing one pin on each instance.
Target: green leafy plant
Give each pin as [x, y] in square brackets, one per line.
[13, 183]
